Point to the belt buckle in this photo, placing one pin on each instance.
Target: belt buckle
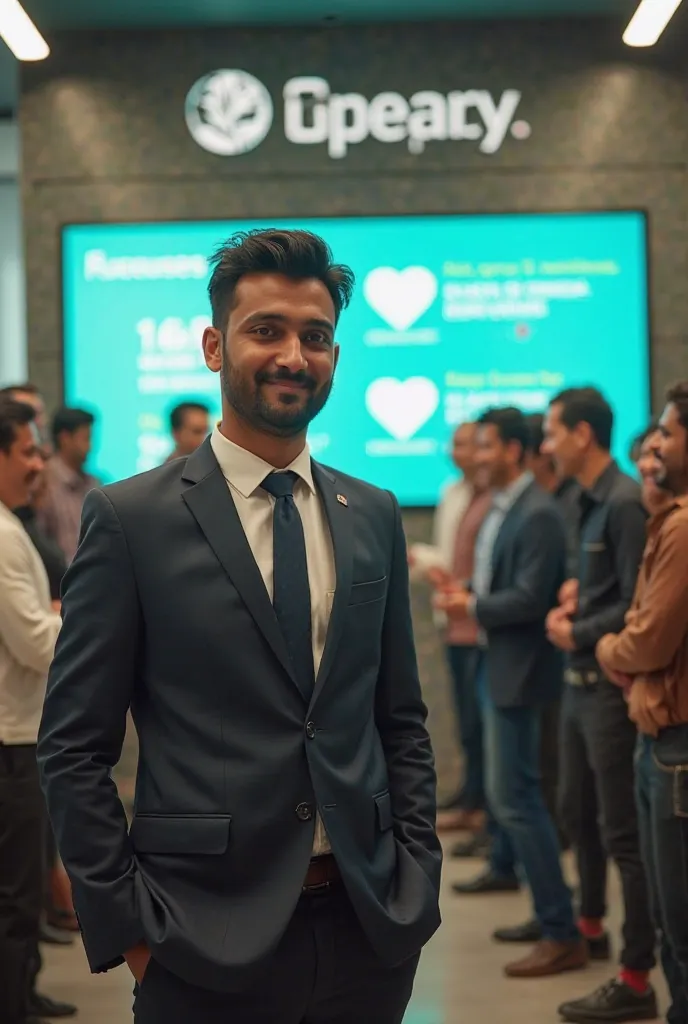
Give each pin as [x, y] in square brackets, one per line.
[316, 888]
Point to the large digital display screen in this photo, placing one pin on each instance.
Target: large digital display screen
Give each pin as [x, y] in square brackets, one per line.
[451, 314]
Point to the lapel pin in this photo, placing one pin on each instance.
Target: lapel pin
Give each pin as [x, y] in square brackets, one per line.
[342, 500]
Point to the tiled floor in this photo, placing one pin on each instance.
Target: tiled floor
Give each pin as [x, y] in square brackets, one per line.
[460, 981]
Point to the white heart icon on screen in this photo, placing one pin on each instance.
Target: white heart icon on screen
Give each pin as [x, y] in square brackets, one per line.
[400, 297]
[402, 407]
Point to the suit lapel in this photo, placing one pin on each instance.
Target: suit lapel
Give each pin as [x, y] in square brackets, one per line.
[212, 506]
[507, 527]
[339, 517]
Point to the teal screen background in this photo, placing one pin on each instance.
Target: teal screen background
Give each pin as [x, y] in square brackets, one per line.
[451, 314]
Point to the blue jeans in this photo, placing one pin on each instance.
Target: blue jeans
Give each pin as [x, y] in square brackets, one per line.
[514, 795]
[661, 769]
[462, 661]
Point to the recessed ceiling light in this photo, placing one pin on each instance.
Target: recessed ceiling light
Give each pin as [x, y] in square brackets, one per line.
[649, 21]
[20, 33]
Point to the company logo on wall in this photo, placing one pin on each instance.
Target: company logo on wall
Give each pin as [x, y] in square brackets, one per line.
[229, 112]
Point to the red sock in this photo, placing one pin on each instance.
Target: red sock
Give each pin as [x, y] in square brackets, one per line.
[637, 980]
[590, 927]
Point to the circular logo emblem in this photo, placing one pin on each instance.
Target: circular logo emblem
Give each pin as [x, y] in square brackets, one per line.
[228, 112]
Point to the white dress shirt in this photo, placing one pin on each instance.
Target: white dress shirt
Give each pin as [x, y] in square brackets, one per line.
[502, 503]
[28, 631]
[244, 473]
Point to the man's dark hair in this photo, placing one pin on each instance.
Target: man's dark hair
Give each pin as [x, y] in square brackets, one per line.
[179, 412]
[677, 395]
[587, 405]
[640, 439]
[295, 254]
[13, 415]
[68, 421]
[511, 426]
[536, 431]
[10, 390]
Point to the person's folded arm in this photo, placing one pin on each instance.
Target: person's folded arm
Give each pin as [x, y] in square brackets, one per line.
[658, 626]
[539, 567]
[400, 716]
[28, 629]
[627, 533]
[82, 732]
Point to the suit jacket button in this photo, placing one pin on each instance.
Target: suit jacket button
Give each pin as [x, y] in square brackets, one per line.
[310, 730]
[304, 812]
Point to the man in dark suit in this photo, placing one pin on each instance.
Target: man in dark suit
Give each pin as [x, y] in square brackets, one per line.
[519, 565]
[251, 607]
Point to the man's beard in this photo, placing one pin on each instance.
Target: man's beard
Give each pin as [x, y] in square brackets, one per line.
[665, 481]
[283, 419]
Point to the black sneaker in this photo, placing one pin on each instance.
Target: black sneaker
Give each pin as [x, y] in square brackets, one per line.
[43, 1006]
[600, 947]
[614, 1001]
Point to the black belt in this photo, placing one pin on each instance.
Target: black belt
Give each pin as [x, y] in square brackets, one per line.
[585, 677]
[322, 873]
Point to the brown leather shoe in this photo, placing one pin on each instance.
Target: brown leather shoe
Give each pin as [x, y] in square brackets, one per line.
[550, 957]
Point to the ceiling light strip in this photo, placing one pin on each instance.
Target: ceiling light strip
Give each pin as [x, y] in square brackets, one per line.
[20, 33]
[649, 21]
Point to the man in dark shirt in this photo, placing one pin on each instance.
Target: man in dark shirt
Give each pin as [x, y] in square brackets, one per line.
[565, 490]
[566, 493]
[597, 738]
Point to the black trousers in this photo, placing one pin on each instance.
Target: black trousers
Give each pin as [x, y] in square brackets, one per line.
[549, 761]
[21, 876]
[598, 810]
[324, 971]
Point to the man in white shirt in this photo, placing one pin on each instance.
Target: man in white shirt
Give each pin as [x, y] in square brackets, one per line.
[251, 607]
[458, 516]
[28, 630]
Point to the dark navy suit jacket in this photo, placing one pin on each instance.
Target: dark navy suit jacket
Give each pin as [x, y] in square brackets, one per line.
[528, 567]
[165, 612]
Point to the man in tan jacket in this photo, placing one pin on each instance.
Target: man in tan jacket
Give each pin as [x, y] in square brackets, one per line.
[649, 659]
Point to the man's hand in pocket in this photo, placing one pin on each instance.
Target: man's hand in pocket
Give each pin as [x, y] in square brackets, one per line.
[137, 960]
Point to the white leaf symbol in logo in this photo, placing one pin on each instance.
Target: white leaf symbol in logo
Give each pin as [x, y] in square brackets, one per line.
[228, 112]
[224, 106]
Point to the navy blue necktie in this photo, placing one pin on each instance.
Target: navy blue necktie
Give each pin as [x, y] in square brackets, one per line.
[291, 591]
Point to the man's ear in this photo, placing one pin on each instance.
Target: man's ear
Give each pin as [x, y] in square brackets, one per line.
[213, 341]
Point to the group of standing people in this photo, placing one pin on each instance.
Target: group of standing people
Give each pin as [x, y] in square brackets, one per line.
[250, 608]
[580, 632]
[42, 486]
